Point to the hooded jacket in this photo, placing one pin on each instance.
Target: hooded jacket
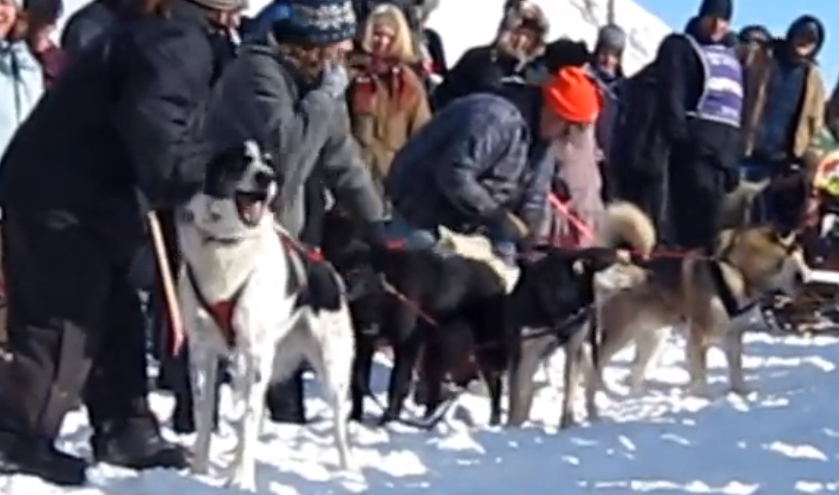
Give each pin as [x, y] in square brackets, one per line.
[475, 156]
[88, 23]
[774, 69]
[260, 96]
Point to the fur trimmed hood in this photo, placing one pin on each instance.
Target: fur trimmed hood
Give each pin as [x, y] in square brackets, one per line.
[524, 12]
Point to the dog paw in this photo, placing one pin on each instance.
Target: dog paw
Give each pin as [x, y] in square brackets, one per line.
[495, 419]
[244, 483]
[592, 413]
[349, 469]
[351, 476]
[567, 422]
[742, 390]
[385, 420]
[200, 466]
[699, 390]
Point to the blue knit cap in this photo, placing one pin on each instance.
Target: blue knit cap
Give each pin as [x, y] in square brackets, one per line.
[313, 22]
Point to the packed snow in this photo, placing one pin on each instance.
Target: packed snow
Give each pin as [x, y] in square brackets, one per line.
[783, 440]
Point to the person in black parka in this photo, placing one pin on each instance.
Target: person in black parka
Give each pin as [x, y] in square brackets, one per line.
[120, 134]
[700, 104]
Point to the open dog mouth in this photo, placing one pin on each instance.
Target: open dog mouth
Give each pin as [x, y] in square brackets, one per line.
[251, 206]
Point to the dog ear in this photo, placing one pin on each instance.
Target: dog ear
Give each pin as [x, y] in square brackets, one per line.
[789, 239]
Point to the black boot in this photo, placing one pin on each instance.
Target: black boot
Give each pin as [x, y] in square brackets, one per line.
[136, 444]
[285, 400]
[39, 457]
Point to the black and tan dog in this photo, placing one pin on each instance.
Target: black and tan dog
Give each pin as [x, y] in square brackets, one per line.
[556, 299]
[755, 262]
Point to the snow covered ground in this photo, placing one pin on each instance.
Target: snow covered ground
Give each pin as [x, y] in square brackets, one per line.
[782, 441]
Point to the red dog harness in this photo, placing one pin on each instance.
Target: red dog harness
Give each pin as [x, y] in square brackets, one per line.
[221, 312]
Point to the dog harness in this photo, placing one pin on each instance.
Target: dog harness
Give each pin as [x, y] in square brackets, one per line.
[221, 312]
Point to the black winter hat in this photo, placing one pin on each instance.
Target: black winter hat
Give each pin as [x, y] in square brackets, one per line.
[43, 12]
[754, 33]
[718, 9]
[314, 22]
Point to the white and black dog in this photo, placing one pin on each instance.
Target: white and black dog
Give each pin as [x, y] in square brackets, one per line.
[247, 295]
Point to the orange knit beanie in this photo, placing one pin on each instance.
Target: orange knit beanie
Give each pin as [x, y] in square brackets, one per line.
[573, 95]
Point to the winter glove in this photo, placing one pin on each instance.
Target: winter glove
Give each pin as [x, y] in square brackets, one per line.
[376, 234]
[508, 226]
[335, 80]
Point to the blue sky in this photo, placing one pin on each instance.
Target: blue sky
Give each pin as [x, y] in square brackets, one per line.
[774, 14]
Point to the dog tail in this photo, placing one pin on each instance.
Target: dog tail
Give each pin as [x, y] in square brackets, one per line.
[625, 226]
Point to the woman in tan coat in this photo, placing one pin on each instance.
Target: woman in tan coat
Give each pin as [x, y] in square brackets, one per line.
[387, 99]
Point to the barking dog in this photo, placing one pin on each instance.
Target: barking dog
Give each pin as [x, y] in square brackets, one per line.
[755, 262]
[247, 295]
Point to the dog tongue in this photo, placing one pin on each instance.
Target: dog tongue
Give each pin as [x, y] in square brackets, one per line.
[251, 211]
[255, 211]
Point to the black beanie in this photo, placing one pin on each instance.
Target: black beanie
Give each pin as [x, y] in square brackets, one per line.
[43, 12]
[718, 9]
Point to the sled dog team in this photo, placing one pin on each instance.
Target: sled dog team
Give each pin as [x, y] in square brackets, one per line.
[279, 314]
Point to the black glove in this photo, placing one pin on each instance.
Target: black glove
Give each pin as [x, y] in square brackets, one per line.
[376, 234]
[508, 226]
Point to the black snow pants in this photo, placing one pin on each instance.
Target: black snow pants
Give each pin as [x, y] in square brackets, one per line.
[75, 326]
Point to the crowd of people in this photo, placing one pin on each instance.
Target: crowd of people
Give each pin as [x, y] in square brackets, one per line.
[357, 104]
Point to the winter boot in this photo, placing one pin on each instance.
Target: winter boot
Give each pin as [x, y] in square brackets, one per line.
[39, 457]
[136, 444]
[285, 400]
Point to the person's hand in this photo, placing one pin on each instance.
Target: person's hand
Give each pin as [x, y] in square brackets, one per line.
[509, 226]
[335, 80]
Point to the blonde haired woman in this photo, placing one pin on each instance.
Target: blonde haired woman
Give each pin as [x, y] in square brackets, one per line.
[386, 97]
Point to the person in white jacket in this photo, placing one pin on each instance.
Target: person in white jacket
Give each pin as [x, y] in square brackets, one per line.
[21, 79]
